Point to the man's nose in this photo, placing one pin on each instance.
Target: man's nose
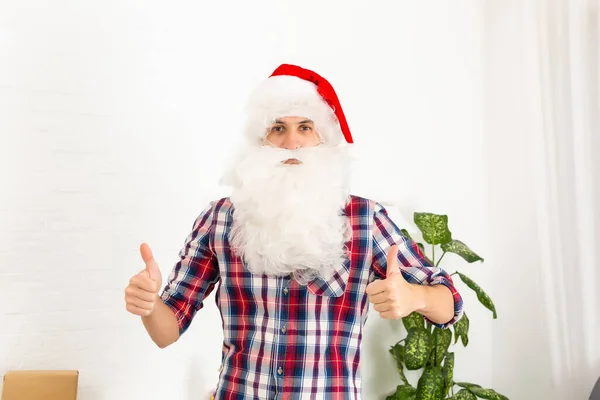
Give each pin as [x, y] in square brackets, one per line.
[291, 142]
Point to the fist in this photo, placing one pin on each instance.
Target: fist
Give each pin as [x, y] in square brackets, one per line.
[141, 294]
[392, 297]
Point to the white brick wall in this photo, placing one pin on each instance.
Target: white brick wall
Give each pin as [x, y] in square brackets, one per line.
[113, 122]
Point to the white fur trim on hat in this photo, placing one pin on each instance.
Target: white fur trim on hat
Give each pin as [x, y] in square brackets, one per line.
[288, 96]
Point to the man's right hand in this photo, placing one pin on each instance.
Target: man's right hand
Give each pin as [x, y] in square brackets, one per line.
[141, 294]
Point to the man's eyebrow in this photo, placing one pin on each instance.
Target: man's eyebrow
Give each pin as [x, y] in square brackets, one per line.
[306, 121]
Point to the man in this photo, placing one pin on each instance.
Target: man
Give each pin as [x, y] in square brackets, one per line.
[297, 259]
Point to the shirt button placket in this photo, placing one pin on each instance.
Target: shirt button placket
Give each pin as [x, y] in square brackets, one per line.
[283, 329]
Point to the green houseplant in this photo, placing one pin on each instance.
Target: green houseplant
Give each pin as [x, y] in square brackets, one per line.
[425, 347]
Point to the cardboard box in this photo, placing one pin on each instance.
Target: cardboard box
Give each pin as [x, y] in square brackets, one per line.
[40, 385]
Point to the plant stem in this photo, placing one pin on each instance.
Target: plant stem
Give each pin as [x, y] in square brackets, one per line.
[442, 256]
[433, 253]
[435, 348]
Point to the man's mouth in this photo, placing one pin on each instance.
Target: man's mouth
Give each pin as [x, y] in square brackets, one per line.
[292, 161]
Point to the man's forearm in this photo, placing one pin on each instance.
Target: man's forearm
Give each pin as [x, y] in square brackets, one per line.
[435, 302]
[162, 325]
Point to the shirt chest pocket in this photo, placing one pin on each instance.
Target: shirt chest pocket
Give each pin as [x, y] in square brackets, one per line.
[334, 286]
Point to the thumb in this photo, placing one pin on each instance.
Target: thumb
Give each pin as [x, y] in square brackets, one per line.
[151, 265]
[392, 262]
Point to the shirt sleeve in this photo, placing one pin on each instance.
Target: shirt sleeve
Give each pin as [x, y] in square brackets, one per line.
[195, 274]
[415, 266]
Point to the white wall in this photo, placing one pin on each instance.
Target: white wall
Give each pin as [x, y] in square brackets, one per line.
[116, 118]
[540, 120]
[520, 356]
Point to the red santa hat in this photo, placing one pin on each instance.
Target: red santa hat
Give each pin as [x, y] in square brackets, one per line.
[295, 91]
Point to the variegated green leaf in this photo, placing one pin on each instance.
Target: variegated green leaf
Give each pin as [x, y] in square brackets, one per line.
[434, 227]
[417, 348]
[458, 247]
[431, 384]
[442, 338]
[403, 392]
[461, 329]
[398, 353]
[463, 394]
[413, 320]
[481, 295]
[466, 385]
[405, 233]
[406, 392]
[448, 371]
[488, 394]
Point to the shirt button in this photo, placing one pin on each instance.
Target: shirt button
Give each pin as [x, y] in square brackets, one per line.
[280, 371]
[283, 329]
[285, 291]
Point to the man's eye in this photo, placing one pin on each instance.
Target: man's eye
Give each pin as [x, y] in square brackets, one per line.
[305, 128]
[277, 129]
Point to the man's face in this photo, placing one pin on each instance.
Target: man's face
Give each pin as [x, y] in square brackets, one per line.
[292, 133]
[288, 218]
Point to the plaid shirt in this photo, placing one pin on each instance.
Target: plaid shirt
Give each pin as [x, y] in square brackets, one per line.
[283, 340]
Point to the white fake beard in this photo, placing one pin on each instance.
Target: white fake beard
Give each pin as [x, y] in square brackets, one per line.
[288, 219]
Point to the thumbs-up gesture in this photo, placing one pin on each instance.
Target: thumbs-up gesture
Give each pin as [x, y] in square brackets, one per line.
[142, 292]
[392, 297]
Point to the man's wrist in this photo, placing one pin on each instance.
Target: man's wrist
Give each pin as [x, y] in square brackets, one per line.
[420, 297]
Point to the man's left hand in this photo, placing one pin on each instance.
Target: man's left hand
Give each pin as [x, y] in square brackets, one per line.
[392, 297]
